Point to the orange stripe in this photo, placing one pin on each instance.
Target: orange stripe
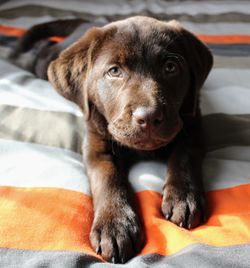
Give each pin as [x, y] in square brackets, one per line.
[210, 39]
[228, 224]
[225, 39]
[57, 38]
[41, 218]
[57, 219]
[7, 30]
[18, 32]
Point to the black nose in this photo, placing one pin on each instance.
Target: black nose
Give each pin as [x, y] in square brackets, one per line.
[147, 117]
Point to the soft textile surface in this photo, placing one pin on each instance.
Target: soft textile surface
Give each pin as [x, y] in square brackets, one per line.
[45, 204]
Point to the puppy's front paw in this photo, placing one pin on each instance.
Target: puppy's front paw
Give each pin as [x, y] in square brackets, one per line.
[116, 234]
[184, 207]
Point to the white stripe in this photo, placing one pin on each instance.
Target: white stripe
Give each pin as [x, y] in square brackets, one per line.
[220, 78]
[227, 168]
[32, 165]
[226, 91]
[21, 88]
[219, 171]
[148, 175]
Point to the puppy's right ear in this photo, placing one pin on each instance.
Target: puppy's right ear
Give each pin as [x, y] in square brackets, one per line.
[69, 72]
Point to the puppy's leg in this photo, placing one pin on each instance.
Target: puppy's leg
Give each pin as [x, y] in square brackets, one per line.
[183, 195]
[116, 232]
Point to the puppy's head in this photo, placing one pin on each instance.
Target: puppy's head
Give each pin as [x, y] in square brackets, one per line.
[140, 74]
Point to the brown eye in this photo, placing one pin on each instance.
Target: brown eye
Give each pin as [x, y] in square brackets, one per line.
[171, 67]
[115, 72]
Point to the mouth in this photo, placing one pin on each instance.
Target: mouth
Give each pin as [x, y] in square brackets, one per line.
[144, 141]
[148, 145]
[144, 144]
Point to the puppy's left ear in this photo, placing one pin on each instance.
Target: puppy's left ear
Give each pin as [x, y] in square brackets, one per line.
[68, 73]
[200, 61]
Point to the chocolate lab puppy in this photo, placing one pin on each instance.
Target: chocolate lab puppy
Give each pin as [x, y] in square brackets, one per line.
[137, 81]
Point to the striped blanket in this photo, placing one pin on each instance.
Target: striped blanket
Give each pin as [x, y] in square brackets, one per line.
[45, 203]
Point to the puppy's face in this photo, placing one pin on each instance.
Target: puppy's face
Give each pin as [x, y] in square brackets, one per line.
[137, 74]
[140, 80]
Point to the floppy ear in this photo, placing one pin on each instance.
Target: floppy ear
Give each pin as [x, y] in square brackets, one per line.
[200, 61]
[69, 72]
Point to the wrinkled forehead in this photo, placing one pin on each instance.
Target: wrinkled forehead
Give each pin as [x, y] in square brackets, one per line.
[135, 41]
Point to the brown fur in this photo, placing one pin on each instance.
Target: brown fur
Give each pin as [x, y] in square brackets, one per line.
[147, 106]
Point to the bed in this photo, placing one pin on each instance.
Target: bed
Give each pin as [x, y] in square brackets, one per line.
[45, 202]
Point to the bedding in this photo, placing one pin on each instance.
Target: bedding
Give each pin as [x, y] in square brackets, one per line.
[45, 202]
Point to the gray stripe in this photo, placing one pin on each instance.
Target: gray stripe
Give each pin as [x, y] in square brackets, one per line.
[232, 17]
[24, 61]
[218, 27]
[231, 62]
[37, 11]
[222, 130]
[65, 130]
[230, 50]
[58, 129]
[193, 256]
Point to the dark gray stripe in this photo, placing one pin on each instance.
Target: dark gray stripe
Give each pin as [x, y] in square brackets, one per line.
[222, 130]
[36, 11]
[230, 50]
[58, 129]
[192, 256]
